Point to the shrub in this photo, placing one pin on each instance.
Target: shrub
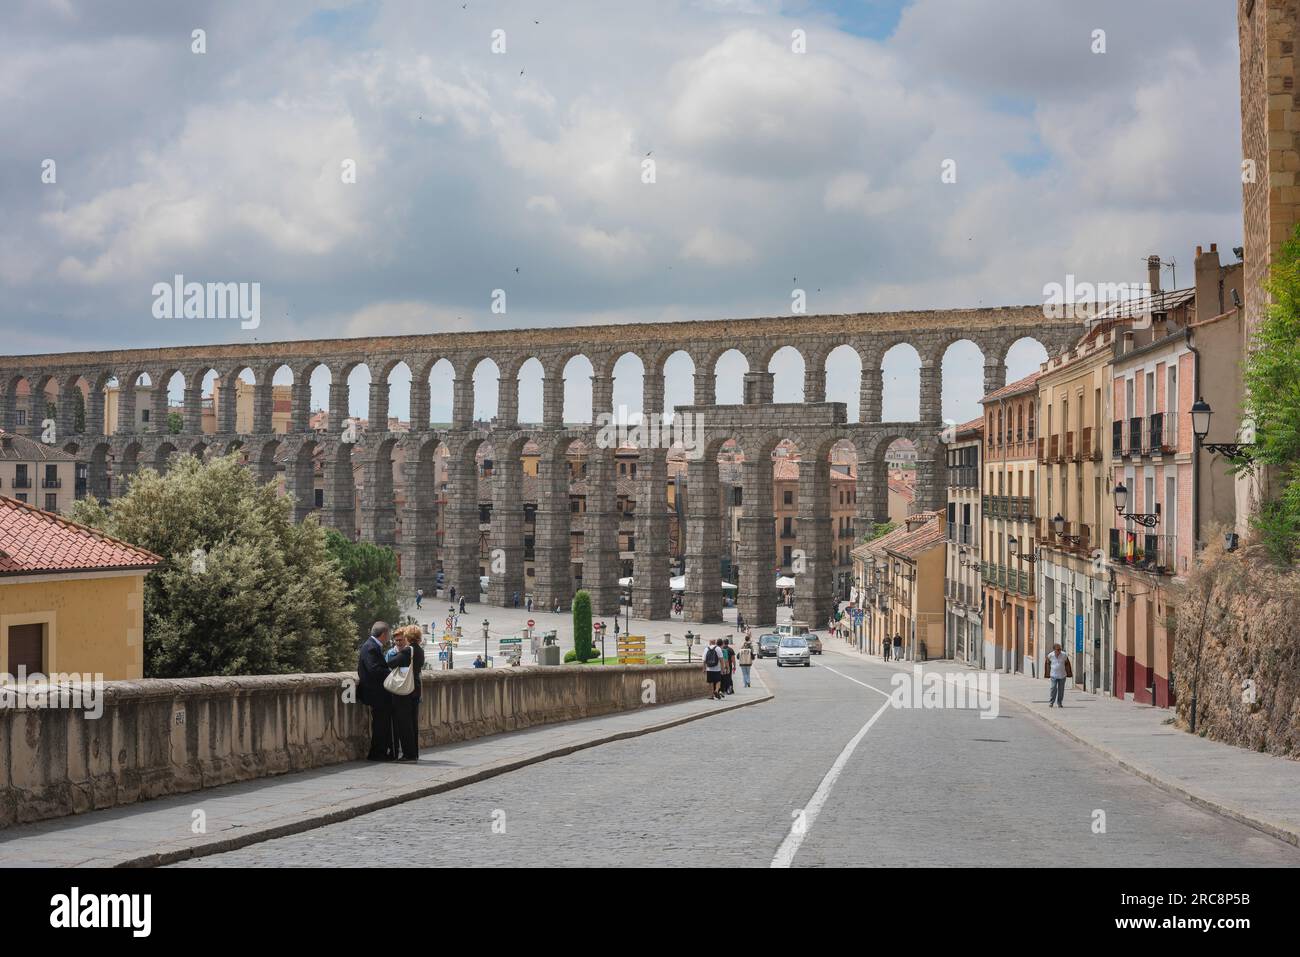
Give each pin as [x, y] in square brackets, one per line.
[582, 625]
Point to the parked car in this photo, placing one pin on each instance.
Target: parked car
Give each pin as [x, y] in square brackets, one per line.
[793, 651]
[814, 642]
[767, 645]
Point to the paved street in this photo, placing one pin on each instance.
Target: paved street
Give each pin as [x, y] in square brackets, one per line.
[921, 787]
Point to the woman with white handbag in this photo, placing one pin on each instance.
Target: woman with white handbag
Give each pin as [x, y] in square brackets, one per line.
[403, 682]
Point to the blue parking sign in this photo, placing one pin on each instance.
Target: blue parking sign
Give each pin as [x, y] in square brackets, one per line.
[1078, 634]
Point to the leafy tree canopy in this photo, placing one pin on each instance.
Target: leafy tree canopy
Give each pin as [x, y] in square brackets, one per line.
[242, 589]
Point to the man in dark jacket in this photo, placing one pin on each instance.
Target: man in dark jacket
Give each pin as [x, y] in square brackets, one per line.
[371, 672]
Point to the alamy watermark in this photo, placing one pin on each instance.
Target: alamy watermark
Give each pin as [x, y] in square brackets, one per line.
[66, 692]
[933, 690]
[1087, 300]
[652, 430]
[179, 299]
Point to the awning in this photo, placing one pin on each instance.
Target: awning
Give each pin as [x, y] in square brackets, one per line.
[785, 581]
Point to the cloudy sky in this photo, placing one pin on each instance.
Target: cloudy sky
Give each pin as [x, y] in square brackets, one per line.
[522, 170]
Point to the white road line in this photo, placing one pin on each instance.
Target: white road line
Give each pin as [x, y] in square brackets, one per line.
[887, 694]
[804, 821]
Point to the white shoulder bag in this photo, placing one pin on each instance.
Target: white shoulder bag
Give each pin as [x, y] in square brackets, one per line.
[401, 681]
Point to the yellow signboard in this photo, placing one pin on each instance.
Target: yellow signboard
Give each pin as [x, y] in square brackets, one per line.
[631, 650]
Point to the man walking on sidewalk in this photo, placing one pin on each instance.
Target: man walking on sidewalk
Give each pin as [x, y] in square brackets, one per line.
[745, 658]
[1058, 669]
[713, 669]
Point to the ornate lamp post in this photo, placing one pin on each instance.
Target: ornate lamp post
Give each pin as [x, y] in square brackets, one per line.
[1234, 451]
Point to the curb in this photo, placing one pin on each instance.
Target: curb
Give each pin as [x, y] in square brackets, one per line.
[1288, 834]
[258, 834]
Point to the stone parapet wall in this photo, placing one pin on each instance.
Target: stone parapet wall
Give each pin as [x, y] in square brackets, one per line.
[158, 737]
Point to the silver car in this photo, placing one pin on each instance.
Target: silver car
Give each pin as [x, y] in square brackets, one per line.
[793, 651]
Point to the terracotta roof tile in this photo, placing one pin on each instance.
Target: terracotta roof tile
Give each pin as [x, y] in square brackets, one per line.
[1013, 388]
[35, 542]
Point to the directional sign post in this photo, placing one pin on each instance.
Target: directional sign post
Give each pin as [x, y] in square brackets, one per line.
[631, 649]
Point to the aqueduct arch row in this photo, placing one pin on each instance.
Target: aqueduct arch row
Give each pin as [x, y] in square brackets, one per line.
[755, 425]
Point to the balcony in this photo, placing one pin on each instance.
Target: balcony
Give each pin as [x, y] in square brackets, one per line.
[1054, 449]
[49, 482]
[1135, 435]
[1155, 433]
[1117, 438]
[1089, 447]
[1150, 553]
[22, 481]
[1069, 447]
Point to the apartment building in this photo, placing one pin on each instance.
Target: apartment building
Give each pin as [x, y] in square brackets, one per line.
[963, 612]
[38, 474]
[1074, 507]
[1007, 531]
[1166, 490]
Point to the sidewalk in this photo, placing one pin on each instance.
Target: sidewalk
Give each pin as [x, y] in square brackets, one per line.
[236, 815]
[1256, 789]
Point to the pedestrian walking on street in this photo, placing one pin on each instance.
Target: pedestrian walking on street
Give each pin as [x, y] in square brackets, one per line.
[371, 672]
[745, 658]
[740, 622]
[516, 599]
[453, 594]
[713, 669]
[530, 604]
[1058, 669]
[406, 708]
[419, 596]
[728, 665]
[479, 662]
[462, 604]
[884, 648]
[898, 647]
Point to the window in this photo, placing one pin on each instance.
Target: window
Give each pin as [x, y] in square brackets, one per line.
[20, 418]
[787, 527]
[786, 555]
[319, 501]
[51, 502]
[1171, 405]
[787, 497]
[144, 415]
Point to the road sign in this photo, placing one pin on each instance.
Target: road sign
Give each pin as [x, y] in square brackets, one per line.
[631, 650]
[531, 623]
[1078, 634]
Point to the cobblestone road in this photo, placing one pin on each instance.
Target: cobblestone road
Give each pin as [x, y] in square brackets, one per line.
[923, 787]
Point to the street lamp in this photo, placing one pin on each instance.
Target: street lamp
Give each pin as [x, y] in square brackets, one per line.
[1058, 525]
[1234, 451]
[1013, 546]
[1147, 519]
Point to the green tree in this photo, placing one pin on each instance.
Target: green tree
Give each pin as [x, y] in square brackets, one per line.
[879, 530]
[175, 423]
[1272, 381]
[582, 626]
[242, 588]
[370, 574]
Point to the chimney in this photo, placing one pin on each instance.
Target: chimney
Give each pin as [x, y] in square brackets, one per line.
[1153, 272]
[1209, 294]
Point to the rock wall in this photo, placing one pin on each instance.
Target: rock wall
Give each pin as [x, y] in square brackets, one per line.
[1248, 692]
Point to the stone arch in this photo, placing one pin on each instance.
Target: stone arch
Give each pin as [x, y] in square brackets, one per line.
[485, 378]
[961, 364]
[530, 390]
[578, 370]
[788, 367]
[162, 455]
[728, 369]
[900, 371]
[628, 377]
[440, 377]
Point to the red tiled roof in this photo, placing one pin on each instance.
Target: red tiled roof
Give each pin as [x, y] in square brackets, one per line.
[1013, 388]
[35, 542]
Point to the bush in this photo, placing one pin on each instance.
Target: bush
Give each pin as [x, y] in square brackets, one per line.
[582, 625]
[1272, 380]
[242, 589]
[570, 657]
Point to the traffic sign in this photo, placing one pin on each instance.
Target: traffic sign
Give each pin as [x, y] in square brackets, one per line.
[531, 623]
